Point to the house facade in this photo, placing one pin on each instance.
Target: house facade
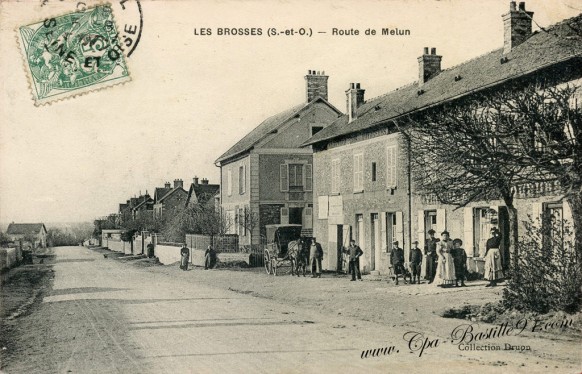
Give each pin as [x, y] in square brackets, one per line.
[266, 177]
[169, 199]
[33, 234]
[362, 183]
[202, 192]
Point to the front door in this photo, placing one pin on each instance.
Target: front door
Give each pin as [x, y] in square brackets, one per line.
[295, 216]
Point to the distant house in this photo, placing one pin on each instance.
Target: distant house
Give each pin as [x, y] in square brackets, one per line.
[167, 200]
[267, 174]
[144, 207]
[201, 193]
[32, 233]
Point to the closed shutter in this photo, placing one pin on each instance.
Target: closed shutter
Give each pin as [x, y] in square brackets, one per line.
[308, 219]
[537, 209]
[441, 221]
[468, 242]
[308, 175]
[335, 176]
[568, 222]
[391, 167]
[284, 176]
[399, 229]
[358, 172]
[284, 215]
[347, 235]
[420, 229]
[383, 244]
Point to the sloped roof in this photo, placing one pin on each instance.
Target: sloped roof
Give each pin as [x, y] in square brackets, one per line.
[170, 191]
[267, 127]
[544, 48]
[25, 228]
[202, 189]
[146, 201]
[160, 192]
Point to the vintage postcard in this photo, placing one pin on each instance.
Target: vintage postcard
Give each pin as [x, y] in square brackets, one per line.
[290, 186]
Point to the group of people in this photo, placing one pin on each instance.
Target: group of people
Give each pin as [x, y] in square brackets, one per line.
[209, 258]
[446, 261]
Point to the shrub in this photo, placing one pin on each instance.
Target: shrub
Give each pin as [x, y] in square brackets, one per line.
[548, 275]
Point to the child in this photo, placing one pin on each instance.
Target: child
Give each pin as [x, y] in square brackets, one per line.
[415, 259]
[460, 259]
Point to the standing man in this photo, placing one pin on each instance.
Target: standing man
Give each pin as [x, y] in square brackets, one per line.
[354, 252]
[397, 262]
[415, 260]
[430, 251]
[315, 257]
[184, 257]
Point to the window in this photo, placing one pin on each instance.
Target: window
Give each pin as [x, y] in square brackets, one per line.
[229, 182]
[335, 176]
[296, 177]
[316, 129]
[373, 172]
[284, 177]
[391, 167]
[359, 172]
[241, 180]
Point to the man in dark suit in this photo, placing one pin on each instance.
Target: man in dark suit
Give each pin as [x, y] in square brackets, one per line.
[354, 252]
[315, 257]
[397, 262]
[430, 250]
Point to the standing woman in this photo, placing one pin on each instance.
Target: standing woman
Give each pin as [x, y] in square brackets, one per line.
[493, 269]
[184, 257]
[445, 271]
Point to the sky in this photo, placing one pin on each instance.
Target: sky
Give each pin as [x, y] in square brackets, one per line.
[192, 97]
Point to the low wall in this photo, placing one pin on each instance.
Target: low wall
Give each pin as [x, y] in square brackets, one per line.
[9, 257]
[167, 253]
[116, 245]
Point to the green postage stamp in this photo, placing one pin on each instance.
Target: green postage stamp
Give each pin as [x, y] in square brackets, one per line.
[72, 54]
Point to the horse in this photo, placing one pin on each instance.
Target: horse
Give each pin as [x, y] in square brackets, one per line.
[298, 253]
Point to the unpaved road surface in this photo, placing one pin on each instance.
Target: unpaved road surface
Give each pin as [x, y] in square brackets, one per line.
[106, 316]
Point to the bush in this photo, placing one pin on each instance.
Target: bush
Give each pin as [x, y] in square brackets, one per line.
[548, 275]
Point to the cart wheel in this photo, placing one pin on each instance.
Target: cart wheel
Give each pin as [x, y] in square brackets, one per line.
[267, 261]
[274, 266]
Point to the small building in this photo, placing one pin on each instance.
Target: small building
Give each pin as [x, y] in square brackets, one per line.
[33, 234]
[266, 177]
[168, 200]
[202, 192]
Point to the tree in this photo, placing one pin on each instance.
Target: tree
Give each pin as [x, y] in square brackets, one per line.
[4, 239]
[455, 156]
[197, 218]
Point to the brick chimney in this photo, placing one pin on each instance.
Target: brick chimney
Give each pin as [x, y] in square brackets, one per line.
[167, 185]
[516, 26]
[316, 84]
[178, 183]
[429, 66]
[195, 180]
[204, 181]
[355, 98]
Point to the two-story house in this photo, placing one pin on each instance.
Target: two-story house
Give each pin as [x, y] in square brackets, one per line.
[362, 183]
[266, 177]
[168, 200]
[202, 192]
[33, 234]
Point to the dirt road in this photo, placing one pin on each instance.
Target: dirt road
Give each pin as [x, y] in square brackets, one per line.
[106, 316]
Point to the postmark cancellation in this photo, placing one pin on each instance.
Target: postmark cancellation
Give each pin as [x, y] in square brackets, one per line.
[72, 54]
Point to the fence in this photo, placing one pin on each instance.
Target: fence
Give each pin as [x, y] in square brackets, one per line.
[221, 243]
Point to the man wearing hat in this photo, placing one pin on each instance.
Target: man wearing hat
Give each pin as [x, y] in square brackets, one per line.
[354, 252]
[415, 260]
[430, 250]
[397, 262]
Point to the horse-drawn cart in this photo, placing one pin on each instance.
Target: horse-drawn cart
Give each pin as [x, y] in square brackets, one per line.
[277, 250]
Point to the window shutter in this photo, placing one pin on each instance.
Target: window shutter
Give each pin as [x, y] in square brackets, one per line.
[335, 176]
[468, 242]
[441, 224]
[568, 221]
[284, 215]
[383, 245]
[308, 175]
[308, 219]
[399, 230]
[244, 179]
[284, 175]
[229, 181]
[391, 167]
[420, 230]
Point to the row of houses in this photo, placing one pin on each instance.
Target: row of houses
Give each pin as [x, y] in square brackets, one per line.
[346, 175]
[167, 200]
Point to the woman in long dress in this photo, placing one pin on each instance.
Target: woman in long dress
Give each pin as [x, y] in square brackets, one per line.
[445, 271]
[493, 267]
